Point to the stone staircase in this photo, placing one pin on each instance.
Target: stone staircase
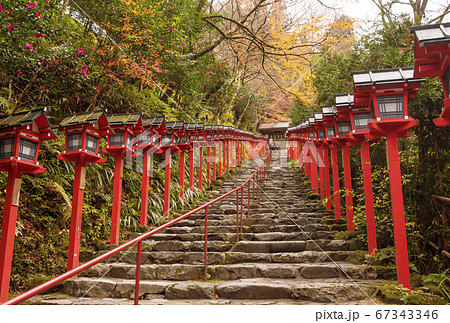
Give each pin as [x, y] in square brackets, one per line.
[286, 254]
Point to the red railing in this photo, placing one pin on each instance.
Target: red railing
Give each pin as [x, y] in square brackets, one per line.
[256, 178]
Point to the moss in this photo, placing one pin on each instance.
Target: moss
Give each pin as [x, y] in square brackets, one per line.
[40, 279]
[394, 294]
[356, 257]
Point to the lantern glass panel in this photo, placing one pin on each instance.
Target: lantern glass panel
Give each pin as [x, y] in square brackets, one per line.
[91, 143]
[362, 121]
[144, 138]
[74, 141]
[7, 147]
[166, 140]
[322, 135]
[343, 128]
[220, 135]
[182, 140]
[446, 80]
[27, 149]
[390, 106]
[201, 138]
[155, 138]
[129, 140]
[116, 139]
[208, 137]
[330, 132]
[192, 139]
[215, 136]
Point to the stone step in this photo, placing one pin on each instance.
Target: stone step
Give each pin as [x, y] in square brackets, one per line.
[248, 229]
[248, 221]
[270, 236]
[216, 258]
[321, 290]
[179, 272]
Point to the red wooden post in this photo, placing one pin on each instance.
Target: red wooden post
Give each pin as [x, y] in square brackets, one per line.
[336, 195]
[220, 158]
[348, 188]
[248, 201]
[242, 207]
[322, 174]
[167, 177]
[205, 261]
[326, 160]
[314, 175]
[228, 156]
[398, 214]
[76, 218]
[182, 173]
[145, 183]
[368, 195]
[237, 216]
[138, 273]
[200, 168]
[8, 232]
[214, 158]
[208, 166]
[117, 197]
[191, 169]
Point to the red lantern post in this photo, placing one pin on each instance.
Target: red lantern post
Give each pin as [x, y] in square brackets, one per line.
[183, 145]
[432, 57]
[191, 130]
[342, 128]
[21, 135]
[200, 143]
[387, 92]
[168, 144]
[83, 134]
[209, 144]
[148, 145]
[120, 144]
[329, 116]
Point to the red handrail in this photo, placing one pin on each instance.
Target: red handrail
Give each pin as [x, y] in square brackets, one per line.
[260, 173]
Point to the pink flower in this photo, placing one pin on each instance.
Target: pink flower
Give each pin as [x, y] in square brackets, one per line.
[38, 14]
[84, 72]
[72, 100]
[18, 73]
[31, 5]
[84, 67]
[29, 47]
[11, 28]
[171, 29]
[80, 50]
[183, 43]
[38, 35]
[145, 26]
[98, 89]
[1, 9]
[76, 56]
[46, 2]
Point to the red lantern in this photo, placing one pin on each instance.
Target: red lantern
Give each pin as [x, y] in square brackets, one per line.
[120, 144]
[432, 56]
[148, 144]
[21, 135]
[387, 92]
[83, 133]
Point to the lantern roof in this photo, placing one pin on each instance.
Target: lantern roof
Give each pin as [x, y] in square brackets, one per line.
[192, 126]
[215, 127]
[432, 34]
[311, 121]
[175, 125]
[126, 119]
[200, 126]
[25, 118]
[207, 127]
[389, 76]
[318, 116]
[79, 119]
[220, 127]
[329, 111]
[154, 121]
[344, 100]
